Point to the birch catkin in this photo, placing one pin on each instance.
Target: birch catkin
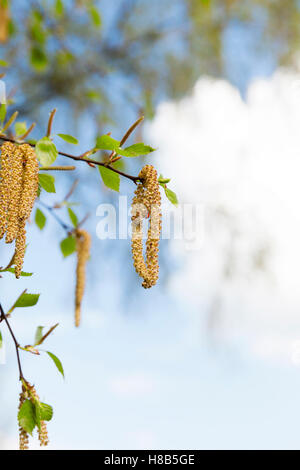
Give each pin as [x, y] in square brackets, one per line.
[83, 245]
[18, 191]
[146, 203]
[7, 152]
[23, 435]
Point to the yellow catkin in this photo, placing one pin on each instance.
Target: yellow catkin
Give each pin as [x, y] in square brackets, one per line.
[83, 245]
[14, 194]
[146, 203]
[7, 152]
[20, 248]
[4, 23]
[42, 432]
[30, 181]
[23, 435]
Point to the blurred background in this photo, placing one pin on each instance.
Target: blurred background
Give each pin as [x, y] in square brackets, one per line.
[209, 358]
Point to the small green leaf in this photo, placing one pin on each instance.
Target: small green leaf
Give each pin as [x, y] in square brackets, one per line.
[68, 246]
[68, 138]
[20, 128]
[27, 300]
[3, 63]
[110, 178]
[163, 180]
[171, 196]
[2, 112]
[95, 16]
[23, 273]
[73, 217]
[46, 151]
[46, 412]
[47, 182]
[58, 8]
[38, 335]
[27, 416]
[38, 58]
[40, 219]
[135, 150]
[57, 363]
[105, 142]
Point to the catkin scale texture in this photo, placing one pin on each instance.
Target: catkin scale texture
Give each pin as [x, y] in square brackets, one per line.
[146, 203]
[7, 152]
[18, 191]
[83, 245]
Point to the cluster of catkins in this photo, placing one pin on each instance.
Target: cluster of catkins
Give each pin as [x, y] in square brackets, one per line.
[18, 191]
[83, 245]
[30, 393]
[146, 203]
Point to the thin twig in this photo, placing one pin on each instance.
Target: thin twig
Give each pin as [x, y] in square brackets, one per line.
[3, 317]
[51, 210]
[58, 168]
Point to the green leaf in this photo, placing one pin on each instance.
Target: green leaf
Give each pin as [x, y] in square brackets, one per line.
[110, 178]
[47, 182]
[3, 63]
[2, 112]
[105, 142]
[136, 150]
[73, 217]
[59, 8]
[23, 273]
[20, 128]
[68, 138]
[95, 16]
[38, 58]
[163, 180]
[46, 151]
[27, 416]
[27, 300]
[68, 246]
[40, 219]
[46, 412]
[57, 363]
[38, 335]
[171, 196]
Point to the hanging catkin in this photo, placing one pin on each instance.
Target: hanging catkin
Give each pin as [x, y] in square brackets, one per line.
[18, 191]
[7, 153]
[146, 203]
[42, 431]
[23, 435]
[83, 245]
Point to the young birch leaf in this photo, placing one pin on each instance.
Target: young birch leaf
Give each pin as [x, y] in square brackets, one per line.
[3, 63]
[20, 128]
[2, 112]
[171, 196]
[68, 246]
[27, 300]
[23, 273]
[136, 150]
[42, 339]
[40, 219]
[46, 151]
[47, 182]
[105, 142]
[110, 178]
[27, 416]
[73, 217]
[38, 335]
[95, 16]
[57, 363]
[68, 138]
[46, 412]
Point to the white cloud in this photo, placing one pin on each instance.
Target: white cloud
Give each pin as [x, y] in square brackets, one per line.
[242, 160]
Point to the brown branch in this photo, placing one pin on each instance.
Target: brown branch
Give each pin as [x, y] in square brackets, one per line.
[3, 317]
